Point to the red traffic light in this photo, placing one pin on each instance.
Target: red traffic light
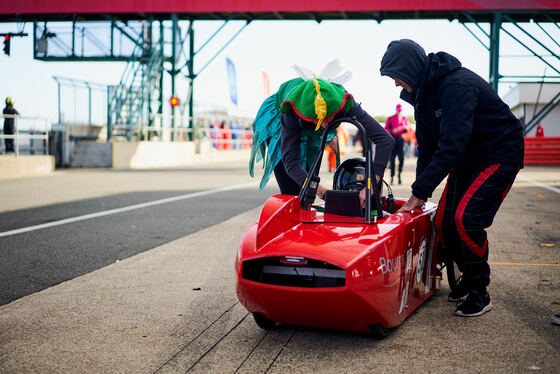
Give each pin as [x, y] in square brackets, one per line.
[6, 48]
[174, 101]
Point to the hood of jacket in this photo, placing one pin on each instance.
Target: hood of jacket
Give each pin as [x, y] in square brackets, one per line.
[406, 60]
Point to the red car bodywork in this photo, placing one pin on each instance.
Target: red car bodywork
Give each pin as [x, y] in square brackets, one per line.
[384, 270]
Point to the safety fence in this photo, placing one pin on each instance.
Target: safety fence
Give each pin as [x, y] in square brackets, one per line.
[228, 138]
[222, 131]
[542, 150]
[30, 136]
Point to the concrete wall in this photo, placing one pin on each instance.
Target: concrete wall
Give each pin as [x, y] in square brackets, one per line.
[147, 155]
[550, 124]
[86, 130]
[522, 99]
[25, 166]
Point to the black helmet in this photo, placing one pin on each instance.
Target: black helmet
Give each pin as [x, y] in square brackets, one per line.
[350, 175]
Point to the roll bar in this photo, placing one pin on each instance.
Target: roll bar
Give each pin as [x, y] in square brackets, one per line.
[309, 189]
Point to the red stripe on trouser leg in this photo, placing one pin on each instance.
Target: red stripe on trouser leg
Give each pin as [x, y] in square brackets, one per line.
[440, 212]
[479, 181]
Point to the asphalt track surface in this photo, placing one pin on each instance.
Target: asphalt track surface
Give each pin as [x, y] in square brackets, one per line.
[39, 259]
[172, 307]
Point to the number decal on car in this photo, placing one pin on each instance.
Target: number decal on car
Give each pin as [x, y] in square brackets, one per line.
[421, 260]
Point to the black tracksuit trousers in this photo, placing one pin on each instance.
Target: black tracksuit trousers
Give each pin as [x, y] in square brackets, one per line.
[467, 207]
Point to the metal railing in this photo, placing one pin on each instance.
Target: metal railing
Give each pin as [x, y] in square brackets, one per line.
[28, 137]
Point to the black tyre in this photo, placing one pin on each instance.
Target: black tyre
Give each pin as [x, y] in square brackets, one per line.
[379, 332]
[263, 322]
[453, 274]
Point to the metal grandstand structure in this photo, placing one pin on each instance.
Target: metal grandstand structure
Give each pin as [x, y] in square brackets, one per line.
[150, 38]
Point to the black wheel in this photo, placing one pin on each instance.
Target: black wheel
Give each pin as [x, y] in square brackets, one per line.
[378, 331]
[453, 274]
[263, 322]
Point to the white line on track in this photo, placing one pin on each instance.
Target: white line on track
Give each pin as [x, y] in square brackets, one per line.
[123, 209]
[550, 188]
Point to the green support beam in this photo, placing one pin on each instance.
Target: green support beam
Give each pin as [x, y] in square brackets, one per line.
[495, 28]
[192, 76]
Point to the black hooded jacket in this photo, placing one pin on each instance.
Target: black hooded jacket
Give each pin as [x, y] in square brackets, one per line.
[9, 122]
[461, 122]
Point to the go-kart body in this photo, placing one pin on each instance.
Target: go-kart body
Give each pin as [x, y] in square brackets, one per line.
[337, 266]
[324, 270]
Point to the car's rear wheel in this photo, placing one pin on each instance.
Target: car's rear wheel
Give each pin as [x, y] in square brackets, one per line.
[263, 322]
[453, 274]
[379, 331]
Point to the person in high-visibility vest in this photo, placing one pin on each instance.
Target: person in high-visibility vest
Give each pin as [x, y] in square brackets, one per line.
[9, 124]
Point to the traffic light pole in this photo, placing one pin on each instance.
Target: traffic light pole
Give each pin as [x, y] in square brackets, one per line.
[173, 71]
[192, 76]
[8, 38]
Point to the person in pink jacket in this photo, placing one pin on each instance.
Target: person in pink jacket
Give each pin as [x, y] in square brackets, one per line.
[397, 125]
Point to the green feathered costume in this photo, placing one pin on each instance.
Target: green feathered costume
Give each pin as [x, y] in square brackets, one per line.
[314, 100]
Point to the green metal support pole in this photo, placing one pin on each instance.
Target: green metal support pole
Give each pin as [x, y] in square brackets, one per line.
[89, 105]
[190, 135]
[35, 43]
[161, 51]
[495, 28]
[150, 73]
[73, 38]
[59, 107]
[112, 38]
[173, 63]
[109, 125]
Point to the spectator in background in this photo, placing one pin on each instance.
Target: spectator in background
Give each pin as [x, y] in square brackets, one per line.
[247, 135]
[337, 143]
[410, 143]
[9, 127]
[397, 125]
[540, 131]
[214, 131]
[233, 128]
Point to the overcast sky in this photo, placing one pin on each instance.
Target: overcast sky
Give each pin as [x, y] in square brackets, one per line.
[272, 47]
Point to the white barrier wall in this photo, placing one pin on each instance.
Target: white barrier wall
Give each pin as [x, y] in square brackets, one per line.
[140, 155]
[12, 166]
[147, 155]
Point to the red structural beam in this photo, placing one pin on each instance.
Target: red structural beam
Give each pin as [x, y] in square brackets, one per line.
[52, 7]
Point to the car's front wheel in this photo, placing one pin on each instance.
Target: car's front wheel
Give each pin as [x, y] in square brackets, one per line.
[263, 322]
[379, 331]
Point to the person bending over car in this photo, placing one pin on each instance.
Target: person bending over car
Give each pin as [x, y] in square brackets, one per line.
[467, 133]
[291, 122]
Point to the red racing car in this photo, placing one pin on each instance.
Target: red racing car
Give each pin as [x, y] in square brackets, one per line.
[336, 265]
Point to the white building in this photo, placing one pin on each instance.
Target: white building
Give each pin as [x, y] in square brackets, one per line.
[522, 100]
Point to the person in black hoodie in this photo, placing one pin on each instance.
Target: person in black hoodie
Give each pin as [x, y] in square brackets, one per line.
[467, 133]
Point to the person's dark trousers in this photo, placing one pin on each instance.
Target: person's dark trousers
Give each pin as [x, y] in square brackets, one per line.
[9, 145]
[398, 151]
[287, 185]
[467, 207]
